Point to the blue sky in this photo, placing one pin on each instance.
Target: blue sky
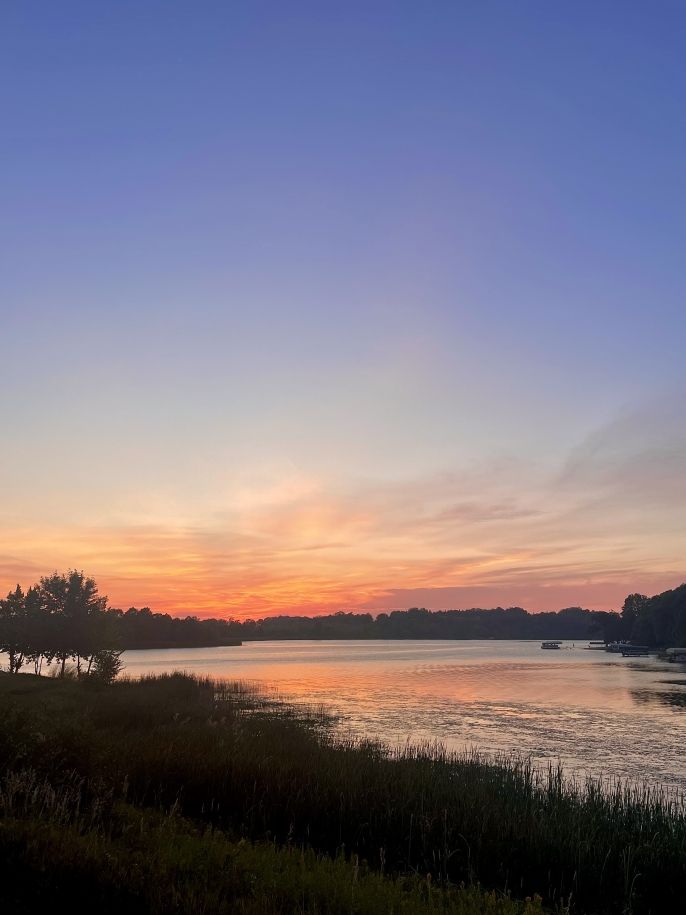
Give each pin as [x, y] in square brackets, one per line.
[277, 277]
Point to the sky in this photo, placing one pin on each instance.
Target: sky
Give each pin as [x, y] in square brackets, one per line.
[314, 306]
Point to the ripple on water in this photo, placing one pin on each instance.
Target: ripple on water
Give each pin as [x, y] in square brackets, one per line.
[596, 713]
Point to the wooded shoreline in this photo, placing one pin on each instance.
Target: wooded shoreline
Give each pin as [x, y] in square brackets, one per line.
[64, 619]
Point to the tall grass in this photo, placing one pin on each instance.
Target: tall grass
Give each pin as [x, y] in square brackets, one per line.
[55, 847]
[229, 758]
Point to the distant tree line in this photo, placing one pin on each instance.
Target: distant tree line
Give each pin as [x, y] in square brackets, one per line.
[63, 621]
[144, 629]
[654, 621]
[420, 623]
[141, 628]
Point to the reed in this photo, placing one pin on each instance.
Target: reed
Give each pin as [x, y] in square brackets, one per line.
[229, 758]
[117, 857]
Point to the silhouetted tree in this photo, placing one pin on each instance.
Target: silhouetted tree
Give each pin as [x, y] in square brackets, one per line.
[13, 629]
[632, 607]
[73, 600]
[106, 665]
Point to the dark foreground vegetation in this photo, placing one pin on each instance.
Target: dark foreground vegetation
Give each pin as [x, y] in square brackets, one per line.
[175, 794]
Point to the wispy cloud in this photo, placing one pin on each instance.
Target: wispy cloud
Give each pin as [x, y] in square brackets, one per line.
[611, 519]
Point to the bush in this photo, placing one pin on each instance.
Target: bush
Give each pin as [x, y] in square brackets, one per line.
[107, 665]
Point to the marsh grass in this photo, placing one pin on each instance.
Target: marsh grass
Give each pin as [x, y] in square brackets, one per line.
[226, 757]
[107, 858]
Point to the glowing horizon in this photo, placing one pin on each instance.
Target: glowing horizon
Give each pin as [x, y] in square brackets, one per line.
[297, 546]
[307, 310]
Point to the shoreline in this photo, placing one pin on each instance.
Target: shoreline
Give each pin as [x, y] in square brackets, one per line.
[232, 760]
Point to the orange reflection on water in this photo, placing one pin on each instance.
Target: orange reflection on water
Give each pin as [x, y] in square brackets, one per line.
[597, 713]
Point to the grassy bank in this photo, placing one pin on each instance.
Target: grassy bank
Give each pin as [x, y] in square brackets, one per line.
[116, 857]
[234, 766]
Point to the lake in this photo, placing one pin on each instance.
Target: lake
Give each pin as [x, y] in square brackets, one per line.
[597, 713]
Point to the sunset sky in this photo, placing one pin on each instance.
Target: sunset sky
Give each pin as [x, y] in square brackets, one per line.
[312, 306]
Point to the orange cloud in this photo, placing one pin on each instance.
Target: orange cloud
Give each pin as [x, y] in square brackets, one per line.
[499, 534]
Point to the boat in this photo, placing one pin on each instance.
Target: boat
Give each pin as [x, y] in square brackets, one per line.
[596, 645]
[634, 651]
[550, 645]
[675, 655]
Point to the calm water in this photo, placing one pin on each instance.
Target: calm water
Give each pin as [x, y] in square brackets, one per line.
[596, 712]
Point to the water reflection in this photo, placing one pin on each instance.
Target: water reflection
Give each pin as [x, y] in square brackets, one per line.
[596, 712]
[670, 698]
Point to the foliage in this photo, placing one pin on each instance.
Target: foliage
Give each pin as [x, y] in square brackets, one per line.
[107, 665]
[658, 620]
[140, 629]
[60, 619]
[63, 618]
[109, 856]
[145, 629]
[246, 764]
